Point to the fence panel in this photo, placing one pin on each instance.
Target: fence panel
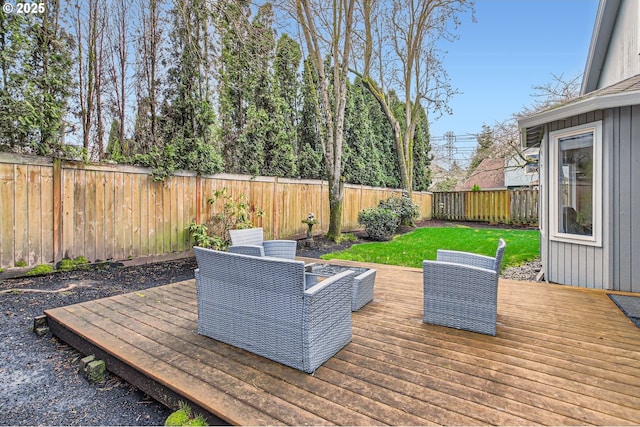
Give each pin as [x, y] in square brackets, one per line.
[449, 205]
[494, 206]
[524, 207]
[53, 209]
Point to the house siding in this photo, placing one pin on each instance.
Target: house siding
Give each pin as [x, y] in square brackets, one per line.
[615, 265]
[625, 212]
[569, 263]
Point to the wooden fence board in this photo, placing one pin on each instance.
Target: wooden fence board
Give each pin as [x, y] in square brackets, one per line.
[46, 213]
[91, 217]
[109, 217]
[7, 213]
[34, 208]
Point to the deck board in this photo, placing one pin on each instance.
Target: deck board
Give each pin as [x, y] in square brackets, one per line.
[562, 356]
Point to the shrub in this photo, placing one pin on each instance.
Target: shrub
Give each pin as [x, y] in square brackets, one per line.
[405, 208]
[78, 263]
[39, 270]
[184, 417]
[236, 214]
[379, 223]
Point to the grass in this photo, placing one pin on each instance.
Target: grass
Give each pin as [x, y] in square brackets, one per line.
[410, 249]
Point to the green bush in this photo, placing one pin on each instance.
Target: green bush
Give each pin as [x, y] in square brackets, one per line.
[78, 263]
[39, 270]
[379, 223]
[184, 417]
[405, 208]
[236, 214]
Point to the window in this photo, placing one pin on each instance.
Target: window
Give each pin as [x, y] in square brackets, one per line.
[576, 184]
[532, 164]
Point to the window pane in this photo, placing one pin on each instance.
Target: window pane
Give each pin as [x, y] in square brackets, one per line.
[576, 184]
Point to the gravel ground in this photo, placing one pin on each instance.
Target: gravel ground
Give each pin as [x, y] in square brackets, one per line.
[39, 379]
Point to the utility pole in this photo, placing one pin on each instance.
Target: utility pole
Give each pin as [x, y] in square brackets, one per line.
[450, 139]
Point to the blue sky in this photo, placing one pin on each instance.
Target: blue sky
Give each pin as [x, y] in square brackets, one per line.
[513, 46]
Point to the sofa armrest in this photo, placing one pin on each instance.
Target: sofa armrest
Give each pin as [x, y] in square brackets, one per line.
[466, 258]
[254, 250]
[327, 319]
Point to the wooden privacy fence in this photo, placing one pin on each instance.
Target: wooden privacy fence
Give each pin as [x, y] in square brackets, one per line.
[53, 209]
[519, 207]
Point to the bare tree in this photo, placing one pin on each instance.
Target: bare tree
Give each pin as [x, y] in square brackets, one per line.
[89, 22]
[150, 42]
[327, 26]
[118, 65]
[400, 54]
[506, 135]
[502, 139]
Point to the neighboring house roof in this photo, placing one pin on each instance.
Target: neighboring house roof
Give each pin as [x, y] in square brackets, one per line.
[489, 175]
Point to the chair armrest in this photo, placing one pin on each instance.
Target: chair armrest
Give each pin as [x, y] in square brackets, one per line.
[254, 250]
[327, 286]
[280, 248]
[466, 258]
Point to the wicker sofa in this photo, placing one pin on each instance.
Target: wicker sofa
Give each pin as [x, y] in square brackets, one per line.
[249, 241]
[461, 290]
[260, 304]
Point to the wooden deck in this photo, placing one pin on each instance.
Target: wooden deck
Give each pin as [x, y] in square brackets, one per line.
[562, 356]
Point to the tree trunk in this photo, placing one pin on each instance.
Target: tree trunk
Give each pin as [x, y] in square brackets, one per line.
[336, 193]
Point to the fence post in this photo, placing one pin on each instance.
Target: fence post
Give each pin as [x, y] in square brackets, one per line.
[198, 199]
[275, 208]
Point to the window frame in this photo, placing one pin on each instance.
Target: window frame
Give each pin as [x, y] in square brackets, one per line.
[532, 165]
[595, 239]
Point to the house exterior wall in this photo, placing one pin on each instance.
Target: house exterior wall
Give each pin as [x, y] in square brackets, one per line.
[622, 56]
[625, 206]
[516, 173]
[569, 263]
[614, 265]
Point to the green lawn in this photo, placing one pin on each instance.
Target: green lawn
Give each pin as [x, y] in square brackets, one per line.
[411, 248]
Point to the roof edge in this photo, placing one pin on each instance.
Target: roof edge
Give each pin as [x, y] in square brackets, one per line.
[590, 104]
[602, 30]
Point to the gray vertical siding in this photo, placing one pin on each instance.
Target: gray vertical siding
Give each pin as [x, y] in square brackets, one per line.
[576, 265]
[625, 212]
[615, 265]
[569, 263]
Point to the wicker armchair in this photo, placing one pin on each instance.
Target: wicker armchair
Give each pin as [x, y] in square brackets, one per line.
[461, 290]
[249, 241]
[260, 304]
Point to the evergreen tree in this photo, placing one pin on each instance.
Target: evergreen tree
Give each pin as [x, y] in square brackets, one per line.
[310, 160]
[188, 112]
[233, 27]
[385, 154]
[35, 83]
[483, 150]
[287, 76]
[422, 154]
[360, 151]
[268, 119]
